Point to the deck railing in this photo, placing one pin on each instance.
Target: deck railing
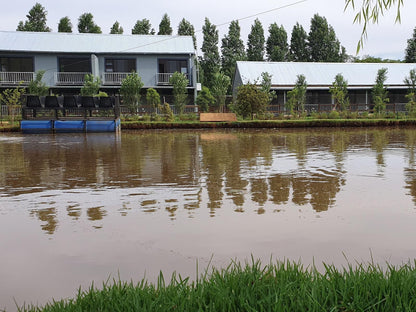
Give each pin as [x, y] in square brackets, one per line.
[15, 78]
[70, 79]
[163, 78]
[114, 79]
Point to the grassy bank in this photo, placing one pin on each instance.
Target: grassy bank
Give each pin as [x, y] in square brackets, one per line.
[253, 287]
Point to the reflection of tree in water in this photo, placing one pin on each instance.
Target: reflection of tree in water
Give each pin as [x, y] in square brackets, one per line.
[379, 142]
[410, 172]
[47, 215]
[96, 213]
[279, 188]
[74, 211]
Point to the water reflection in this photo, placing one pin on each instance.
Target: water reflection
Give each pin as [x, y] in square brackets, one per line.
[172, 172]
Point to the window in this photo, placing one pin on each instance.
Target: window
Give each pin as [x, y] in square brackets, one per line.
[171, 66]
[74, 64]
[16, 64]
[120, 65]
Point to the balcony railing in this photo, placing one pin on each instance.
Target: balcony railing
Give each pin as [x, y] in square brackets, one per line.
[70, 79]
[15, 78]
[163, 78]
[114, 79]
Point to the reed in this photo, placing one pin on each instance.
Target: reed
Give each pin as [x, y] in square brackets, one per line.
[281, 286]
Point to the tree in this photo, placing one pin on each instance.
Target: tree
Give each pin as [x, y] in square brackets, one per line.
[299, 44]
[379, 92]
[232, 50]
[323, 44]
[91, 85]
[12, 98]
[143, 27]
[219, 87]
[339, 91]
[205, 100]
[410, 56]
[116, 29]
[266, 86]
[210, 62]
[37, 86]
[255, 42]
[411, 93]
[130, 91]
[65, 25]
[250, 101]
[164, 26]
[180, 95]
[276, 45]
[152, 98]
[36, 20]
[185, 28]
[369, 13]
[86, 24]
[297, 96]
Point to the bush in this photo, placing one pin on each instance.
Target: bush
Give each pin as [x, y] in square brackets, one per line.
[37, 86]
[152, 98]
[205, 99]
[91, 85]
[250, 101]
[167, 112]
[180, 95]
[333, 115]
[130, 91]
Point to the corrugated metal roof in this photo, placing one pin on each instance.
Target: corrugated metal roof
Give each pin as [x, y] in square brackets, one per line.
[323, 74]
[44, 42]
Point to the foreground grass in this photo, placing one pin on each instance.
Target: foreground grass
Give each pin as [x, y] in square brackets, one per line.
[253, 287]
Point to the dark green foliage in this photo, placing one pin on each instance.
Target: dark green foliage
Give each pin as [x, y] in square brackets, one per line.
[232, 50]
[322, 42]
[91, 85]
[250, 101]
[185, 28]
[379, 92]
[373, 59]
[276, 45]
[297, 96]
[299, 44]
[219, 87]
[12, 98]
[143, 27]
[152, 98]
[116, 29]
[86, 24]
[210, 62]
[65, 25]
[37, 86]
[266, 84]
[36, 20]
[281, 286]
[205, 99]
[411, 93]
[255, 42]
[164, 26]
[339, 91]
[130, 91]
[180, 94]
[410, 52]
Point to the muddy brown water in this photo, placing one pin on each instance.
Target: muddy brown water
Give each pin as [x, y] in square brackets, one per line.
[78, 208]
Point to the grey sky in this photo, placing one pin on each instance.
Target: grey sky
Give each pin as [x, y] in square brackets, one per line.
[386, 40]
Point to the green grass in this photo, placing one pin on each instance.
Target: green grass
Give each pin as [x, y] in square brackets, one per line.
[283, 286]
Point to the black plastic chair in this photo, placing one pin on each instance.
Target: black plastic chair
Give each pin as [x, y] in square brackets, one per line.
[106, 102]
[33, 104]
[52, 103]
[69, 104]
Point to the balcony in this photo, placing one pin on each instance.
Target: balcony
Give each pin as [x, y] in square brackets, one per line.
[16, 78]
[114, 79]
[163, 78]
[70, 79]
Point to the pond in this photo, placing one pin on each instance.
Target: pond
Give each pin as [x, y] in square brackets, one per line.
[78, 208]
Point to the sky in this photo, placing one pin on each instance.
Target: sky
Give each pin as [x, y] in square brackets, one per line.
[385, 39]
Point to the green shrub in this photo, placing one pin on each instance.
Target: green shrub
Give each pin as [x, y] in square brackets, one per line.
[333, 115]
[91, 85]
[37, 86]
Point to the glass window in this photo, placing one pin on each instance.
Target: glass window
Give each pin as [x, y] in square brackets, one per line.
[72, 64]
[171, 66]
[16, 64]
[120, 65]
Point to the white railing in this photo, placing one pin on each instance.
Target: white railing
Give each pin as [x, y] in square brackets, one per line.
[114, 78]
[72, 79]
[163, 78]
[15, 78]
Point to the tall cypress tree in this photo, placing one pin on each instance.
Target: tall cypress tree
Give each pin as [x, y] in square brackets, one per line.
[210, 62]
[36, 20]
[65, 25]
[322, 42]
[232, 50]
[276, 45]
[164, 26]
[185, 28]
[86, 24]
[143, 27]
[299, 44]
[116, 29]
[410, 56]
[255, 42]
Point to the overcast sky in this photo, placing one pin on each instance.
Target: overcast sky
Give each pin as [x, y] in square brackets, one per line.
[386, 40]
